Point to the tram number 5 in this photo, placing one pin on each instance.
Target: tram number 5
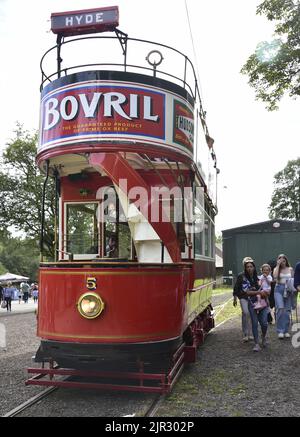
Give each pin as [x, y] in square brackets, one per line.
[91, 283]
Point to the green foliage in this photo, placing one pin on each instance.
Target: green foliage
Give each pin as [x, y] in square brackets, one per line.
[274, 68]
[285, 202]
[20, 256]
[21, 185]
[219, 238]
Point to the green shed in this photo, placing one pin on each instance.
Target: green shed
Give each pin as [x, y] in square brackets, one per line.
[262, 241]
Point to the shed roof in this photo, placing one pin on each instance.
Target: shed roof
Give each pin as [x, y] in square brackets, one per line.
[275, 225]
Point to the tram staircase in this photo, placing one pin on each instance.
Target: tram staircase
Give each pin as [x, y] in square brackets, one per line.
[155, 241]
[148, 245]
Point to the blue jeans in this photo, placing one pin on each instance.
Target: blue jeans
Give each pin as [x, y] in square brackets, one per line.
[261, 317]
[283, 308]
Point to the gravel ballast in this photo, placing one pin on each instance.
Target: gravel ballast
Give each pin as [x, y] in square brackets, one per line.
[229, 379]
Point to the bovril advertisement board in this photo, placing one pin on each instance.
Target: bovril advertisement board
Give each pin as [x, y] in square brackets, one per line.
[98, 111]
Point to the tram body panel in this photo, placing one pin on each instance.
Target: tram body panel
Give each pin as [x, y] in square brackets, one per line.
[139, 305]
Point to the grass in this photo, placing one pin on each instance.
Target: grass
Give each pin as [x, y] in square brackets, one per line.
[227, 312]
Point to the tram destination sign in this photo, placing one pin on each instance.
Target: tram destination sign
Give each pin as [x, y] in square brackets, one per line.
[85, 21]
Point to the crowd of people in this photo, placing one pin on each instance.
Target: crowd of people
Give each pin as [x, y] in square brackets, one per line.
[9, 292]
[276, 287]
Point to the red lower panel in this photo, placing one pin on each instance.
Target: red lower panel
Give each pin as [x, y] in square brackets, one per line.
[141, 304]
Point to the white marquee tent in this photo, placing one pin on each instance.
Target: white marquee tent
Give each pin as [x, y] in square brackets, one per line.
[12, 278]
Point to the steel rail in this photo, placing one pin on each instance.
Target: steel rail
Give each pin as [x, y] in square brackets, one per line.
[17, 410]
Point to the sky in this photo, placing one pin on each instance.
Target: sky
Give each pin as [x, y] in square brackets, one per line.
[251, 143]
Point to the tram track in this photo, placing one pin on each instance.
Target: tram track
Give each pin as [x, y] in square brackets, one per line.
[220, 308]
[20, 408]
[156, 403]
[29, 408]
[148, 410]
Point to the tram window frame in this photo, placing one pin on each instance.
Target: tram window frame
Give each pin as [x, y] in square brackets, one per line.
[207, 238]
[213, 237]
[65, 242]
[200, 253]
[123, 224]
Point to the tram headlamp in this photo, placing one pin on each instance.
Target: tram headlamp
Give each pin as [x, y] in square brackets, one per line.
[90, 305]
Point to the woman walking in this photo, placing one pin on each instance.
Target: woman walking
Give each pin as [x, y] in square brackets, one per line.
[239, 292]
[8, 294]
[258, 303]
[283, 300]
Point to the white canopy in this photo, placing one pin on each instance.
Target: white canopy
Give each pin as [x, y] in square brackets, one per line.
[12, 278]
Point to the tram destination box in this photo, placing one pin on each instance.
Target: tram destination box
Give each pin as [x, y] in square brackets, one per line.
[85, 21]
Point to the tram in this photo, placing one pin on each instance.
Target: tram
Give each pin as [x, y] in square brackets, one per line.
[126, 141]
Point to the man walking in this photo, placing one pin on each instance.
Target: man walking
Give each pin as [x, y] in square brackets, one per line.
[24, 287]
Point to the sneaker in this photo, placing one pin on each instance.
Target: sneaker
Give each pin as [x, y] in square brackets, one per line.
[281, 335]
[287, 335]
[250, 337]
[256, 348]
[245, 339]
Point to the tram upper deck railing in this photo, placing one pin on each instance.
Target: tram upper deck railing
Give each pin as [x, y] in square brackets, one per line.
[139, 56]
[131, 56]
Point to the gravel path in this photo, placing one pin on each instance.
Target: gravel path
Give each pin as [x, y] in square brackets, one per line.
[221, 298]
[231, 380]
[21, 344]
[227, 380]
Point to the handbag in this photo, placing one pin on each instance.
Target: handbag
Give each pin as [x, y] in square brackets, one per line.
[3, 304]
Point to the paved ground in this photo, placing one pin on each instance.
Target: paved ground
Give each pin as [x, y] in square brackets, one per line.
[19, 308]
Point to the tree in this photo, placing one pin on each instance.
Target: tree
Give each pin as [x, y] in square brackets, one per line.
[219, 239]
[21, 186]
[274, 68]
[20, 256]
[285, 202]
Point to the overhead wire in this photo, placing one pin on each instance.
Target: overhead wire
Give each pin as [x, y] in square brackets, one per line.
[202, 112]
[193, 45]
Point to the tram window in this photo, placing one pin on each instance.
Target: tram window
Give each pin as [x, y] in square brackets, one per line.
[117, 236]
[124, 245]
[212, 239]
[82, 228]
[198, 229]
[207, 234]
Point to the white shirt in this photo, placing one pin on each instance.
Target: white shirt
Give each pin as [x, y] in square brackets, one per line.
[265, 282]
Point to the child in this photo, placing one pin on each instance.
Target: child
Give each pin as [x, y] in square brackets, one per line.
[264, 282]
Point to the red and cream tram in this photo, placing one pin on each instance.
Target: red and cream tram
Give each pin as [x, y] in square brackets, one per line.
[132, 280]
